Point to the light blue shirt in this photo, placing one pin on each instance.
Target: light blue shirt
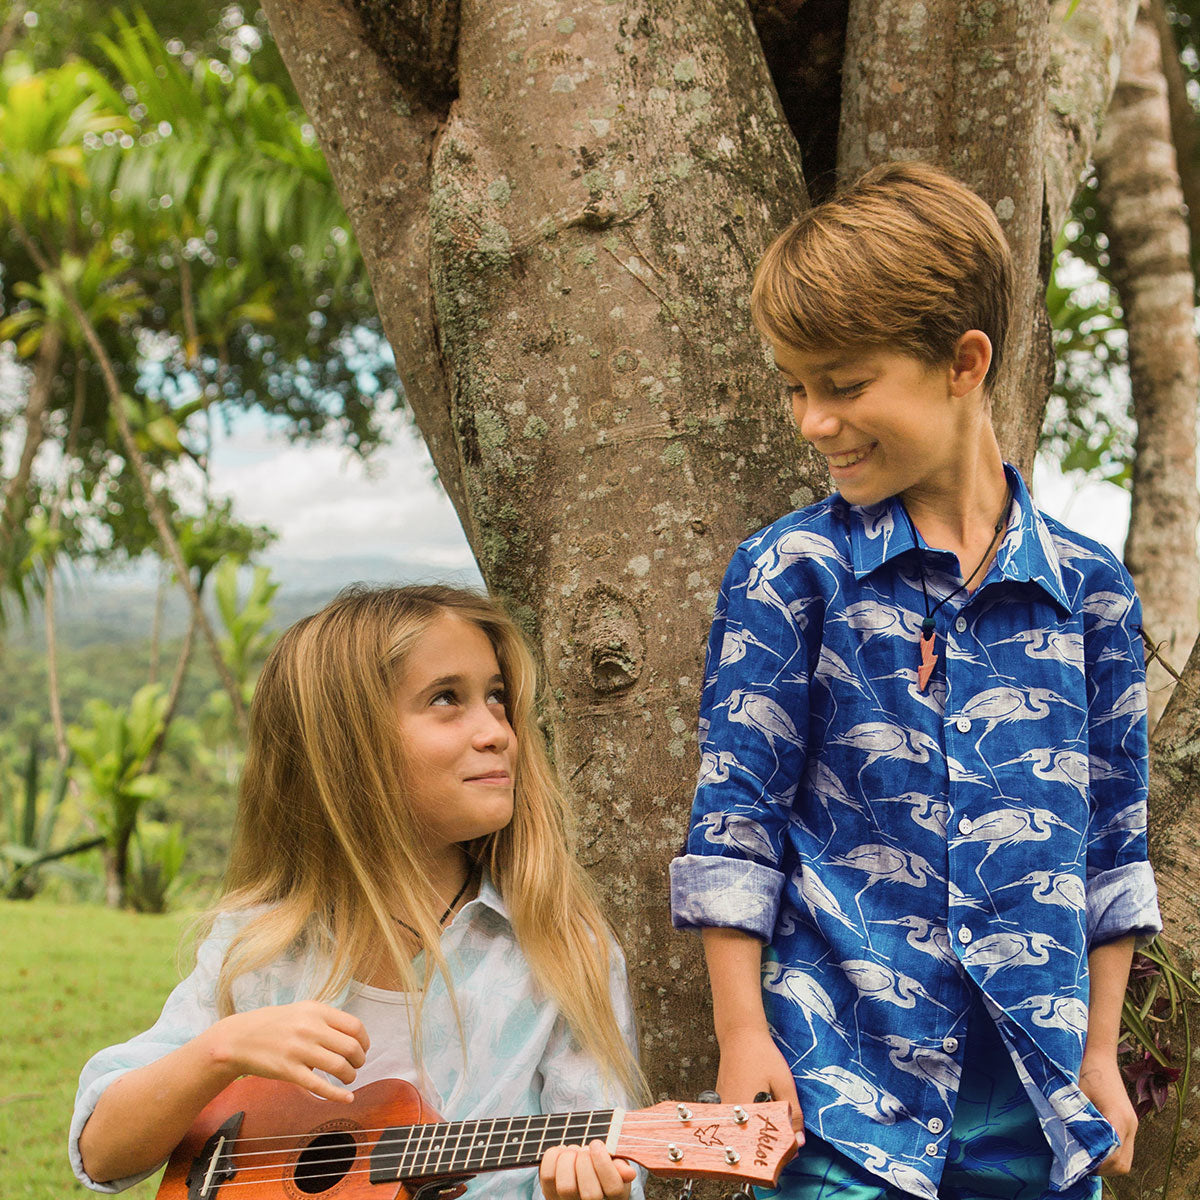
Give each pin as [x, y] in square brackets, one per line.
[899, 848]
[521, 1057]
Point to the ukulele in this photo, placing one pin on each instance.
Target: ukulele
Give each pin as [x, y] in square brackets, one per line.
[262, 1139]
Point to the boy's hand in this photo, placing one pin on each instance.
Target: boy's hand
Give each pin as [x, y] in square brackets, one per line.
[291, 1042]
[585, 1173]
[751, 1063]
[1101, 1082]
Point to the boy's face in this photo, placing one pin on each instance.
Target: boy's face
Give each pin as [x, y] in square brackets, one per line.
[886, 422]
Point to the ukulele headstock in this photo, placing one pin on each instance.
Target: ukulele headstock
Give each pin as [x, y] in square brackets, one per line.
[750, 1142]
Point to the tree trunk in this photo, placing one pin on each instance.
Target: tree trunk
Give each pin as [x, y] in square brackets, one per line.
[584, 365]
[45, 371]
[1183, 121]
[1175, 853]
[560, 208]
[912, 74]
[1151, 269]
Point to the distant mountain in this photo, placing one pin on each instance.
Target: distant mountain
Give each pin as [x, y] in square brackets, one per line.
[115, 606]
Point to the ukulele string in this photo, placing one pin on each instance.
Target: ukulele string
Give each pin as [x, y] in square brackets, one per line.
[698, 1153]
[294, 1140]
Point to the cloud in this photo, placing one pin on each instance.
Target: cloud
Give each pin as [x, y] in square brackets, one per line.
[325, 502]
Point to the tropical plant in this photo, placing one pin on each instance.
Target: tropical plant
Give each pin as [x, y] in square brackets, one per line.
[31, 817]
[112, 750]
[157, 852]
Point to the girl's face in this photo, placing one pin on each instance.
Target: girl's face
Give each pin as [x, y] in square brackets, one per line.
[454, 725]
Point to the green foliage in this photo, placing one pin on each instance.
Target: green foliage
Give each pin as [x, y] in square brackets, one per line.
[246, 642]
[1159, 997]
[112, 751]
[185, 203]
[156, 859]
[1087, 426]
[30, 815]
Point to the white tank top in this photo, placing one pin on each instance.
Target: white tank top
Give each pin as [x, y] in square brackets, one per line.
[385, 1015]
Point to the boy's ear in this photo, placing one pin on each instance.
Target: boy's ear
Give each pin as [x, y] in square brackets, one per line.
[969, 366]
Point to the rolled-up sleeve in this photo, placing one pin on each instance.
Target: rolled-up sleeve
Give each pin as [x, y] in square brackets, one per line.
[1122, 898]
[753, 735]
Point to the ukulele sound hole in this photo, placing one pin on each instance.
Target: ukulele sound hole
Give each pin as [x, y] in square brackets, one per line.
[324, 1162]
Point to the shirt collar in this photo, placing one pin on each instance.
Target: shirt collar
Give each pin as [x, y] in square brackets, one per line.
[489, 896]
[881, 532]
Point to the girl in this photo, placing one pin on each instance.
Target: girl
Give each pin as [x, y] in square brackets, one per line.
[401, 901]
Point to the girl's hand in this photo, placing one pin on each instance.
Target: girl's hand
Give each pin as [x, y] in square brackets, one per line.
[1101, 1082]
[751, 1063]
[585, 1173]
[291, 1042]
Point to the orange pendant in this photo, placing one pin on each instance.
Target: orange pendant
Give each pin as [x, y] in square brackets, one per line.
[928, 659]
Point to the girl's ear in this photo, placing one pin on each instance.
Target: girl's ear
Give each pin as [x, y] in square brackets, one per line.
[969, 365]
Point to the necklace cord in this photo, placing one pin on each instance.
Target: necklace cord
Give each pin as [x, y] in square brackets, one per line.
[462, 891]
[927, 625]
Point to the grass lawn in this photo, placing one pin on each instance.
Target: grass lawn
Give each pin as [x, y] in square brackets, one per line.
[72, 980]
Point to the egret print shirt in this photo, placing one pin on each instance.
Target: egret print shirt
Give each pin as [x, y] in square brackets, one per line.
[902, 851]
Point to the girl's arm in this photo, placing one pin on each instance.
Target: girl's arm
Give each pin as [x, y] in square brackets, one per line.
[750, 1061]
[142, 1116]
[1099, 1076]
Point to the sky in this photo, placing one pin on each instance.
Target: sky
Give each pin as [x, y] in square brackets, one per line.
[325, 503]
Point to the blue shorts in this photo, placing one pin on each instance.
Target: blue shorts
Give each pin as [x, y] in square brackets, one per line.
[996, 1149]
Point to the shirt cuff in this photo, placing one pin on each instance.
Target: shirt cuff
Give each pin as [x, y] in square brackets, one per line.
[1121, 902]
[708, 889]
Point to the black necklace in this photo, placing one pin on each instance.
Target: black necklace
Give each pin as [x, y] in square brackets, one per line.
[462, 891]
[929, 626]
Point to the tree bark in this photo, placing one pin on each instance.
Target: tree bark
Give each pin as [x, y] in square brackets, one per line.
[1175, 853]
[563, 254]
[1087, 40]
[560, 207]
[1183, 121]
[1151, 269]
[964, 85]
[45, 372]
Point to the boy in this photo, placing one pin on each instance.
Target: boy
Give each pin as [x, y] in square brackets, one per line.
[923, 747]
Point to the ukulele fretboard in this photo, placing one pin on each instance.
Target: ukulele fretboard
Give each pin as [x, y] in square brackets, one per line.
[471, 1147]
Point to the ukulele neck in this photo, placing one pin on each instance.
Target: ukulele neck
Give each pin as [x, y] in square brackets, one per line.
[439, 1148]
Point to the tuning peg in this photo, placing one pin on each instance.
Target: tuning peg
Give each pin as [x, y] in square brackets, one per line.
[708, 1097]
[742, 1194]
[688, 1188]
[762, 1097]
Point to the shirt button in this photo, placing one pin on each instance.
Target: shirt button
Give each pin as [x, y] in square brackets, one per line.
[950, 1044]
[964, 935]
[932, 1149]
[935, 1125]
[965, 826]
[961, 625]
[963, 725]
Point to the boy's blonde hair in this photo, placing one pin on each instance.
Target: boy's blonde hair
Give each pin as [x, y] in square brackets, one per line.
[906, 258]
[325, 839]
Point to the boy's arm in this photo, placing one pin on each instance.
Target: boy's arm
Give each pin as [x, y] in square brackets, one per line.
[1099, 1076]
[750, 1061]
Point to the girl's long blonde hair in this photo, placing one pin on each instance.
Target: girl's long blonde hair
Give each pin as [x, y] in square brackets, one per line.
[325, 839]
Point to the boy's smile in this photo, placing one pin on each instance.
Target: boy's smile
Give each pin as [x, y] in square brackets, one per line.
[885, 421]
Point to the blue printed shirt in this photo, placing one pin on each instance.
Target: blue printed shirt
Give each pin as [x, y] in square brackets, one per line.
[901, 850]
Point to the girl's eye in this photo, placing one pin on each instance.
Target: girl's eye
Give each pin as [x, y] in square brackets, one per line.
[498, 696]
[444, 698]
[851, 389]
